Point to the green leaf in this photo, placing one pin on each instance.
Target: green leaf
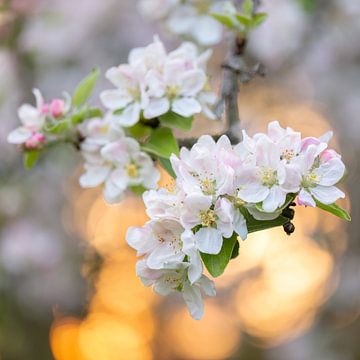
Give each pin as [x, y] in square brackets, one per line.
[30, 158]
[248, 7]
[162, 143]
[254, 225]
[335, 210]
[225, 19]
[216, 264]
[243, 20]
[167, 166]
[258, 19]
[139, 131]
[85, 88]
[85, 114]
[174, 120]
[235, 252]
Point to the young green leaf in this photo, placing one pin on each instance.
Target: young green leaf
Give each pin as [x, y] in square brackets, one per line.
[248, 7]
[138, 189]
[335, 210]
[216, 264]
[243, 20]
[162, 143]
[59, 127]
[85, 88]
[174, 120]
[235, 252]
[225, 19]
[258, 19]
[166, 164]
[139, 131]
[30, 158]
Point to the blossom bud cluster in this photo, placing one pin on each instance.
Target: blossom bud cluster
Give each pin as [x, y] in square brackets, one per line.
[155, 82]
[31, 135]
[216, 185]
[189, 18]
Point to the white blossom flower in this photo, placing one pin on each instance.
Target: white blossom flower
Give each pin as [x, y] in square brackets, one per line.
[154, 83]
[167, 281]
[201, 169]
[216, 221]
[321, 171]
[269, 181]
[33, 120]
[160, 240]
[119, 165]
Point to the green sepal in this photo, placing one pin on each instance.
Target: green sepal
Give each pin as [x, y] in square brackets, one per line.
[166, 164]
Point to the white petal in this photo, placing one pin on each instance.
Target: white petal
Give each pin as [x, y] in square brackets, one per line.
[162, 255]
[209, 240]
[115, 99]
[140, 239]
[186, 107]
[112, 194]
[19, 135]
[253, 193]
[94, 176]
[30, 116]
[305, 198]
[130, 116]
[192, 82]
[331, 172]
[196, 268]
[156, 107]
[194, 302]
[207, 286]
[327, 194]
[274, 200]
[239, 224]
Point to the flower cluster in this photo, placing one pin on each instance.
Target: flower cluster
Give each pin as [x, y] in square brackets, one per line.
[154, 83]
[114, 160]
[189, 18]
[218, 186]
[35, 119]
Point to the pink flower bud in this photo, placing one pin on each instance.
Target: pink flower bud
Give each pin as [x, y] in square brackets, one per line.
[35, 141]
[44, 109]
[57, 107]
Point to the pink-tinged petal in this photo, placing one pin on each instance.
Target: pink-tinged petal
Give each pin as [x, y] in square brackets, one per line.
[328, 155]
[253, 192]
[327, 194]
[122, 76]
[331, 172]
[275, 131]
[292, 179]
[193, 204]
[193, 300]
[155, 85]
[130, 116]
[326, 137]
[94, 176]
[115, 99]
[156, 107]
[267, 153]
[274, 200]
[186, 107]
[209, 240]
[305, 198]
[140, 239]
[19, 135]
[192, 82]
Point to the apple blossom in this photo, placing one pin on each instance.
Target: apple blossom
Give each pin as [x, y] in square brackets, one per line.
[155, 82]
[172, 280]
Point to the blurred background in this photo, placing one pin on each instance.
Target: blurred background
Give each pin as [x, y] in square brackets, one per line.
[68, 289]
